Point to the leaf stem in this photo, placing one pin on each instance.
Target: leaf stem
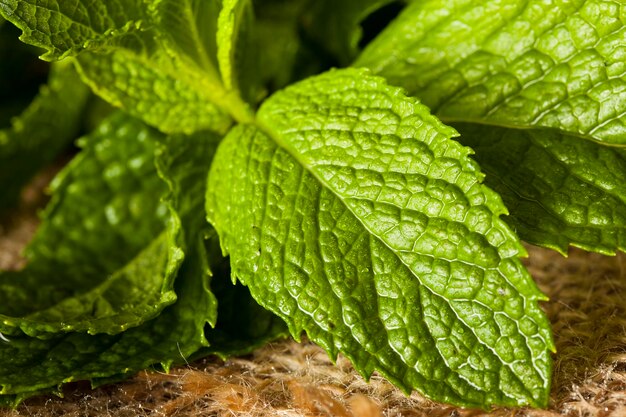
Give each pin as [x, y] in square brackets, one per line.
[238, 109]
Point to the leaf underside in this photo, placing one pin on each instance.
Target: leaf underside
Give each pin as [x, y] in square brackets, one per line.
[560, 190]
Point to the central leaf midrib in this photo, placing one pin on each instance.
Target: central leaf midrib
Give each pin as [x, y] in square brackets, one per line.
[282, 144]
[377, 364]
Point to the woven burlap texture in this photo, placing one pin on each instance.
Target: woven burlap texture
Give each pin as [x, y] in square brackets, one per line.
[587, 309]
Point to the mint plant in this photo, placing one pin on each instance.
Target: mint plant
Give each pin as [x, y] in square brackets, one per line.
[269, 143]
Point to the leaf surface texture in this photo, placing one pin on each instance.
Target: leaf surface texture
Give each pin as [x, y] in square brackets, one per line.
[560, 190]
[512, 63]
[350, 213]
[173, 336]
[66, 28]
[104, 237]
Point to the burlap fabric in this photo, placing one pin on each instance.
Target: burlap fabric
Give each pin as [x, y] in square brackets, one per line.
[587, 310]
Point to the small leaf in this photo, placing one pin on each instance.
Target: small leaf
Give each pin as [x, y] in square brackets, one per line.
[351, 214]
[42, 131]
[560, 190]
[513, 63]
[66, 28]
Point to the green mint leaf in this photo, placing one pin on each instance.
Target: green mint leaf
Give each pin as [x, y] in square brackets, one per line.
[41, 132]
[151, 85]
[66, 28]
[183, 163]
[101, 260]
[153, 59]
[239, 325]
[32, 365]
[560, 190]
[352, 215]
[519, 63]
[533, 67]
[167, 78]
[336, 25]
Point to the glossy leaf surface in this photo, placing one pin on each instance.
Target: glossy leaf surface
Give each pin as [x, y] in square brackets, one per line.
[352, 215]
